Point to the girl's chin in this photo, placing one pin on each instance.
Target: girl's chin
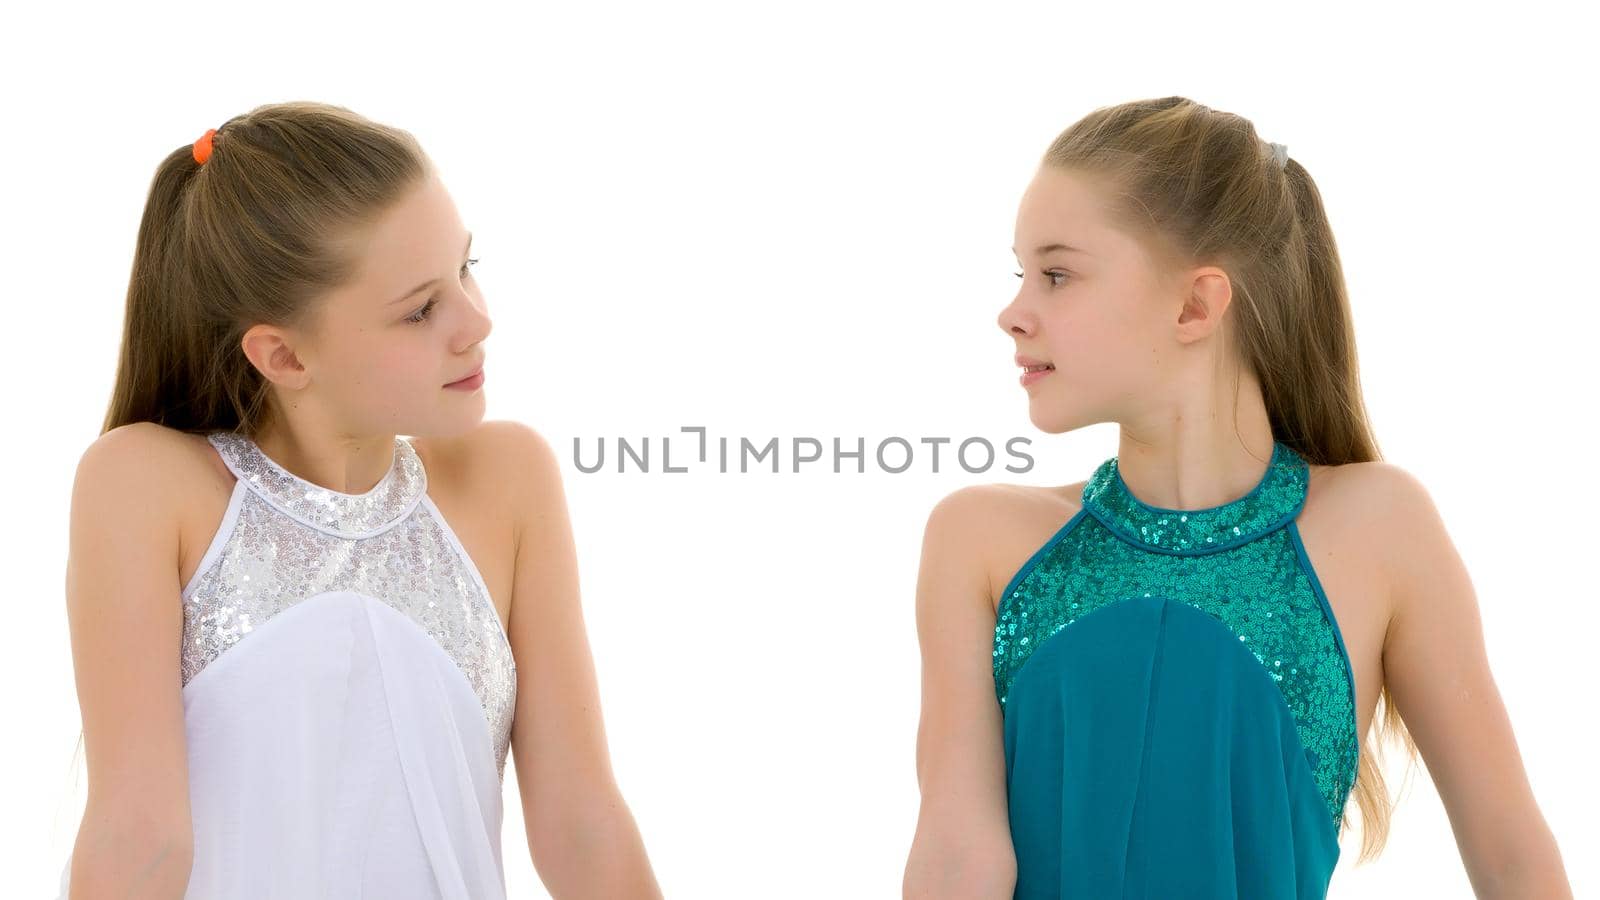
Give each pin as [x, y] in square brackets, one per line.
[1049, 421]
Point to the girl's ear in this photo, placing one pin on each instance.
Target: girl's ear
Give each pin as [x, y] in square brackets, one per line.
[268, 349]
[1208, 295]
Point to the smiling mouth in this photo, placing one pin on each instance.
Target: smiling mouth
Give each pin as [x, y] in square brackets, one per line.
[1044, 368]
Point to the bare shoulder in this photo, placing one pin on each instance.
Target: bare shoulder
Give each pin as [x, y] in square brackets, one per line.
[483, 443]
[1358, 483]
[519, 446]
[1382, 512]
[995, 527]
[500, 461]
[503, 447]
[1379, 502]
[126, 532]
[1401, 512]
[984, 508]
[133, 444]
[147, 460]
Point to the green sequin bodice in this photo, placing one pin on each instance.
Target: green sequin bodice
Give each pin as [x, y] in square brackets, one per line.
[1242, 562]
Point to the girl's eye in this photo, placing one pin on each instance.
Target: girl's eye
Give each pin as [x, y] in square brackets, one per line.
[418, 317]
[1050, 275]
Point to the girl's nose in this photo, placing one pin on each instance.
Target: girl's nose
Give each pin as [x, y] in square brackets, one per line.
[1014, 321]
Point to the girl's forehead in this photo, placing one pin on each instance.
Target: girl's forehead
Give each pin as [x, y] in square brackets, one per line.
[1063, 204]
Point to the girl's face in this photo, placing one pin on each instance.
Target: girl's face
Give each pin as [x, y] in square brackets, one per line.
[1091, 304]
[412, 321]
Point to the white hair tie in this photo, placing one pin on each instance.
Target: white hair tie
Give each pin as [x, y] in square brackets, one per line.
[1280, 153]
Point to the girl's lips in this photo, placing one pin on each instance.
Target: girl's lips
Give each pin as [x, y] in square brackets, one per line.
[470, 382]
[1033, 373]
[471, 374]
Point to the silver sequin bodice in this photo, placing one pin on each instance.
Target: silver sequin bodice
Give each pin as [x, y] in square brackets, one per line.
[285, 539]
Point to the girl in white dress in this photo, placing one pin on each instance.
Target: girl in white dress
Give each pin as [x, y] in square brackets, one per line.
[316, 695]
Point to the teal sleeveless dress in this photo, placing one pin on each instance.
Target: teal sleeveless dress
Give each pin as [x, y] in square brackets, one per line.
[1178, 702]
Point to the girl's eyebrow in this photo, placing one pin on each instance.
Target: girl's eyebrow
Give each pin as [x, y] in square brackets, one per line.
[1047, 248]
[430, 282]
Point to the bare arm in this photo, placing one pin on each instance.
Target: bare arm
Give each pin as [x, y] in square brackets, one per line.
[582, 837]
[962, 846]
[1436, 668]
[125, 619]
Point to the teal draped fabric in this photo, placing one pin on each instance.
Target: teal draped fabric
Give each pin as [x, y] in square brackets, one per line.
[1178, 702]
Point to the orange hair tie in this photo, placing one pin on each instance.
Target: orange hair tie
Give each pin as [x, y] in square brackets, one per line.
[202, 147]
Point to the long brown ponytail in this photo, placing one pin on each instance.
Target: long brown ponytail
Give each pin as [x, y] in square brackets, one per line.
[255, 234]
[1198, 184]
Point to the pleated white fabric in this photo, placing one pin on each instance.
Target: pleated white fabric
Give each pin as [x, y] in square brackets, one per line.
[348, 691]
[340, 752]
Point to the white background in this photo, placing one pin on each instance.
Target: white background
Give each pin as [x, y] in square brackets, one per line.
[780, 222]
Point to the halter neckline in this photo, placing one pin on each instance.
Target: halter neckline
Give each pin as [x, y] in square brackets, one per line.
[1275, 500]
[334, 512]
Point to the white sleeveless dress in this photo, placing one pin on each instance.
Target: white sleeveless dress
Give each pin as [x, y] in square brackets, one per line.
[347, 691]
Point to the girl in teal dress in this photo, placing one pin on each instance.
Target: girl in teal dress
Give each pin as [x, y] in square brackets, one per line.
[1160, 701]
